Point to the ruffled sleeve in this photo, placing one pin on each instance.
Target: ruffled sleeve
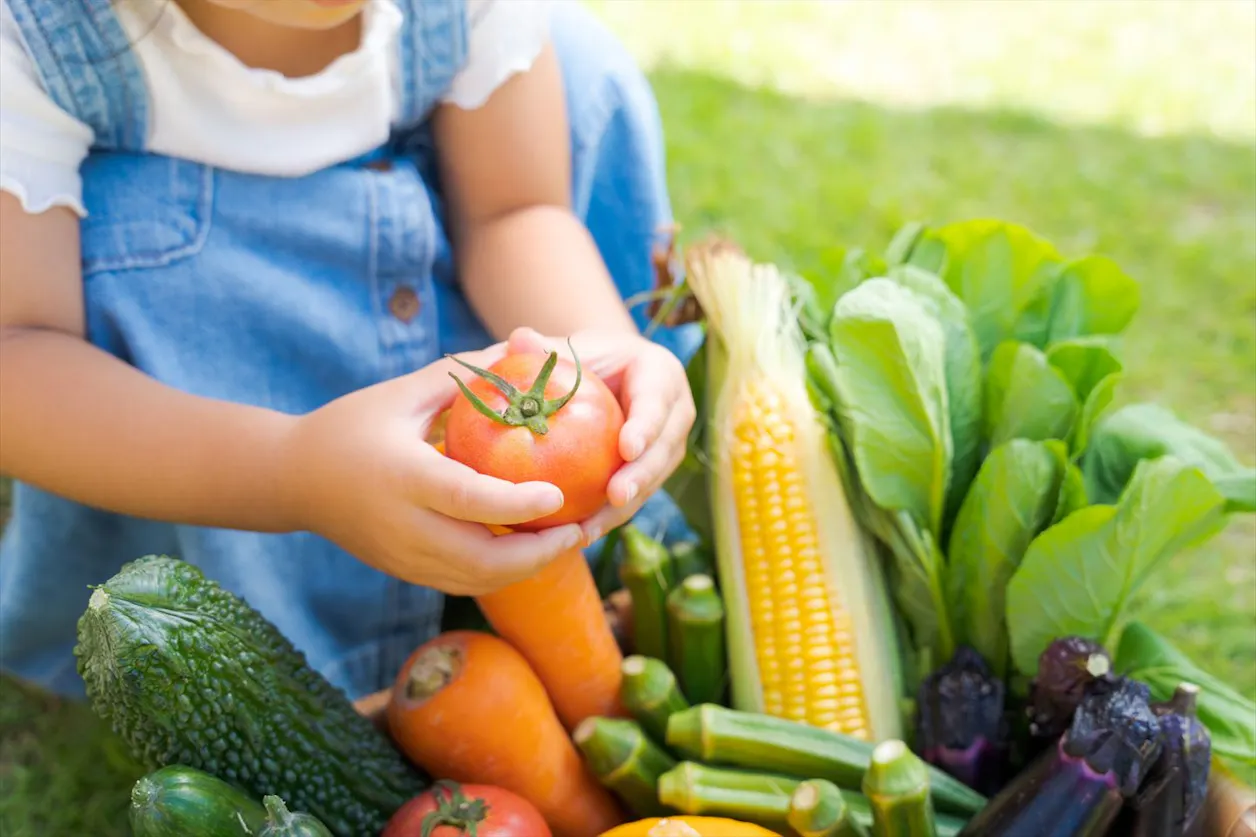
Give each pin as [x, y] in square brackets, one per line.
[506, 37]
[41, 146]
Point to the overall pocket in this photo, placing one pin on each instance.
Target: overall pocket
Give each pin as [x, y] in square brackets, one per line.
[144, 211]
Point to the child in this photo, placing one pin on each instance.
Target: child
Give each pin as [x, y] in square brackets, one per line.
[238, 237]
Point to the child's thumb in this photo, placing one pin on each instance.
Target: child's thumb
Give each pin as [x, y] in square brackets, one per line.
[524, 340]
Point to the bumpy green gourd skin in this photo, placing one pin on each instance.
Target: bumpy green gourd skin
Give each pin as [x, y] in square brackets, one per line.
[187, 673]
[178, 801]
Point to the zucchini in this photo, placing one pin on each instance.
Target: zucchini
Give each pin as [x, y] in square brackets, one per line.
[647, 573]
[818, 809]
[897, 786]
[695, 630]
[280, 822]
[760, 798]
[178, 801]
[717, 735]
[626, 761]
[186, 673]
[649, 691]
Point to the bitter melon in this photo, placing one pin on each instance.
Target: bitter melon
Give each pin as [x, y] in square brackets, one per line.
[188, 673]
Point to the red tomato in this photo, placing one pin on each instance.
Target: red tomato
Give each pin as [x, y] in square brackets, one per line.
[578, 452]
[462, 810]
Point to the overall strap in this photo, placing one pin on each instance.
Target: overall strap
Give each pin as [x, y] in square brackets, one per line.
[87, 65]
[433, 50]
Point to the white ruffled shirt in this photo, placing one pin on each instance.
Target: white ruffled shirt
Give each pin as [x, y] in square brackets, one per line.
[206, 106]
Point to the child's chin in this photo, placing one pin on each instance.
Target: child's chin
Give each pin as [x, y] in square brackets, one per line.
[308, 14]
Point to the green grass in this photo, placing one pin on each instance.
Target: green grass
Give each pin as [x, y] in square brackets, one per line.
[801, 129]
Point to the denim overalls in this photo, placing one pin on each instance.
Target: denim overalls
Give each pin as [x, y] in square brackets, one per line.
[288, 293]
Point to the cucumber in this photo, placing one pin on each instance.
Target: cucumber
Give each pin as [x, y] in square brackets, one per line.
[179, 801]
[695, 632]
[280, 822]
[626, 761]
[187, 673]
[717, 735]
[647, 573]
[897, 787]
[650, 692]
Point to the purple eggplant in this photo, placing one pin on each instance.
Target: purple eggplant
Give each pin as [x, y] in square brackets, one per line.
[1078, 788]
[961, 727]
[1170, 801]
[1065, 671]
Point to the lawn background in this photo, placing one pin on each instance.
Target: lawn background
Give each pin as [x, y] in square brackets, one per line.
[802, 128]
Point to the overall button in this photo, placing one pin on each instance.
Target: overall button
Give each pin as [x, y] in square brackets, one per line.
[380, 165]
[404, 304]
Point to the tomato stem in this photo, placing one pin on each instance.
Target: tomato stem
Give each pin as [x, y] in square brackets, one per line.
[454, 809]
[523, 409]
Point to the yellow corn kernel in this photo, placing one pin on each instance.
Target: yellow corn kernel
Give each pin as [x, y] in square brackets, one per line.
[802, 633]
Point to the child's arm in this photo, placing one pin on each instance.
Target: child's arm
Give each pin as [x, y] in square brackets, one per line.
[527, 261]
[524, 258]
[82, 424]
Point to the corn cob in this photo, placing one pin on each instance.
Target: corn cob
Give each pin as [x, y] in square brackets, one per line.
[807, 635]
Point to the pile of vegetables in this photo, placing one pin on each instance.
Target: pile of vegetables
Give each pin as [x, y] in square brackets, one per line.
[921, 525]
[966, 383]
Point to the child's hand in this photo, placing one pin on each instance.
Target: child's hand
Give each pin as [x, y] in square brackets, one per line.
[362, 475]
[650, 383]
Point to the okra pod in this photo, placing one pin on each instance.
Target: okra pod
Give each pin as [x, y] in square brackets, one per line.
[650, 692]
[695, 628]
[717, 735]
[648, 574]
[691, 558]
[626, 761]
[897, 786]
[818, 809]
[697, 789]
[757, 797]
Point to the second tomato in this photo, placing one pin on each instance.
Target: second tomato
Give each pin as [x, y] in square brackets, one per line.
[453, 810]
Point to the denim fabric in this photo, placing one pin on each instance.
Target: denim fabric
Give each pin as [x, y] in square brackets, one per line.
[276, 292]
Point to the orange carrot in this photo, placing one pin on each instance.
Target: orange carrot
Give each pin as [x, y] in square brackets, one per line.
[467, 707]
[556, 620]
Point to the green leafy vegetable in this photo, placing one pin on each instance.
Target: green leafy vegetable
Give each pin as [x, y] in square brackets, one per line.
[1229, 716]
[1145, 431]
[687, 485]
[1094, 373]
[1090, 296]
[1013, 498]
[997, 269]
[1077, 577]
[1026, 397]
[962, 358]
[894, 411]
[894, 419]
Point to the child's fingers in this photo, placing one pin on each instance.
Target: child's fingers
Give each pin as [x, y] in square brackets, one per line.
[524, 340]
[456, 491]
[481, 563]
[655, 389]
[654, 466]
